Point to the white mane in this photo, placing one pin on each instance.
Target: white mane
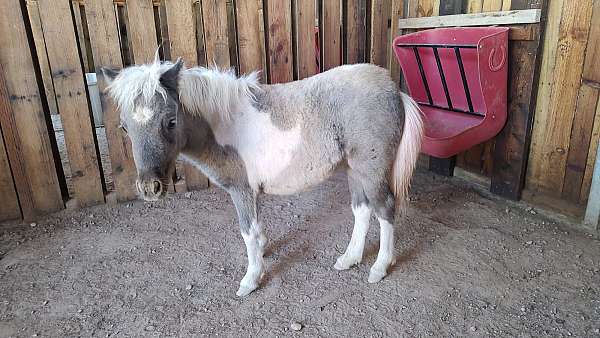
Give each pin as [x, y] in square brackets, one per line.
[138, 82]
[212, 92]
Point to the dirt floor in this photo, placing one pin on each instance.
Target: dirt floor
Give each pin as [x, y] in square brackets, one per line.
[468, 265]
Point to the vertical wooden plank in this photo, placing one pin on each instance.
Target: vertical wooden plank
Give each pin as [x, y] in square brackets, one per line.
[124, 35]
[182, 38]
[279, 40]
[546, 85]
[512, 142]
[104, 43]
[79, 31]
[591, 68]
[201, 47]
[306, 57]
[24, 125]
[249, 20]
[142, 31]
[40, 47]
[506, 5]
[72, 101]
[331, 36]
[250, 35]
[214, 14]
[232, 35]
[591, 158]
[9, 208]
[591, 77]
[474, 6]
[583, 121]
[380, 42]
[397, 13]
[162, 29]
[423, 8]
[552, 142]
[492, 5]
[581, 134]
[356, 30]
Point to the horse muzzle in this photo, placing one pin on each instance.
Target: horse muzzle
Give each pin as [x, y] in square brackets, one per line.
[151, 189]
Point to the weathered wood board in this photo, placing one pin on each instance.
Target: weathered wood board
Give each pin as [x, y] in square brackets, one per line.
[104, 42]
[72, 100]
[331, 36]
[305, 38]
[216, 38]
[279, 40]
[356, 31]
[250, 35]
[23, 121]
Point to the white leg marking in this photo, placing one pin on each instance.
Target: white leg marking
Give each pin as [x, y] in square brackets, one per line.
[354, 252]
[255, 244]
[385, 257]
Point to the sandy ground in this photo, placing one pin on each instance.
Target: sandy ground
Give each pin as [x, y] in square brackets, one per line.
[467, 265]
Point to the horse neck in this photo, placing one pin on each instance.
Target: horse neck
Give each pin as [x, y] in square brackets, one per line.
[213, 94]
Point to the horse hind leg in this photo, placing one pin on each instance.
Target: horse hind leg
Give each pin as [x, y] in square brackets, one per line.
[382, 202]
[362, 215]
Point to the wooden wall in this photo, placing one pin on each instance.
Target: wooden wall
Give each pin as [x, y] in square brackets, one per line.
[566, 129]
[48, 45]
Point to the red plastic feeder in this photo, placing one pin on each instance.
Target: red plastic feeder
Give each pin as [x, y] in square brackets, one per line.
[458, 76]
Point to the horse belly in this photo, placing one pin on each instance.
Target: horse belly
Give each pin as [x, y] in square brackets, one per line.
[304, 171]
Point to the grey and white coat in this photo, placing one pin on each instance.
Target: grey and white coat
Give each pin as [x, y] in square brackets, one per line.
[250, 138]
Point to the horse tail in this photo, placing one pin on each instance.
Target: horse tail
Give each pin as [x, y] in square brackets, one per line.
[408, 151]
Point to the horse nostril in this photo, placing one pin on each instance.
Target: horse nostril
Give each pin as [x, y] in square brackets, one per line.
[157, 187]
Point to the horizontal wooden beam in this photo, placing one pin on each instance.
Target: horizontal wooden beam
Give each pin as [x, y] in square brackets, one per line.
[527, 16]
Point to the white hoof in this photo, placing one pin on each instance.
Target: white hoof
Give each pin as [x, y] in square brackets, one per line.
[344, 263]
[245, 290]
[376, 274]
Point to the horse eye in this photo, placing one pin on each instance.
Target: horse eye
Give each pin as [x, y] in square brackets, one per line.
[172, 123]
[122, 126]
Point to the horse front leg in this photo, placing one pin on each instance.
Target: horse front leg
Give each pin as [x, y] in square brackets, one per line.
[246, 206]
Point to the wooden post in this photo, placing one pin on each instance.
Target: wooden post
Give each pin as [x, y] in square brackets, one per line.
[512, 144]
[104, 42]
[22, 119]
[279, 41]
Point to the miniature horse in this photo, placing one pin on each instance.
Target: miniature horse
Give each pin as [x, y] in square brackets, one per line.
[250, 138]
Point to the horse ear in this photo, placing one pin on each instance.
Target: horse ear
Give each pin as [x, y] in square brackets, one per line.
[170, 78]
[109, 74]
